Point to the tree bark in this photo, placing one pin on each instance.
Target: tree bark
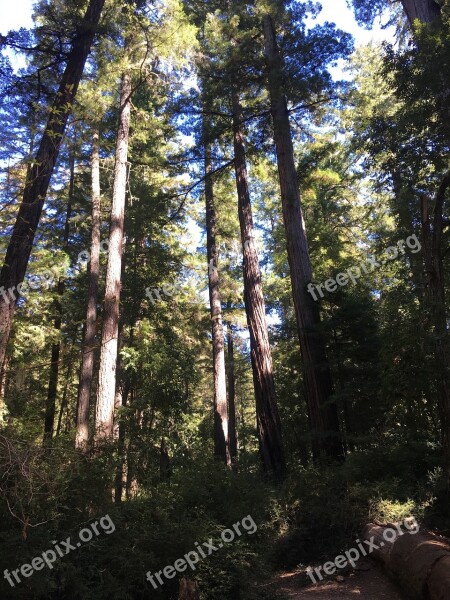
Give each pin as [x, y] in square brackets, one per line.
[231, 393]
[104, 415]
[323, 415]
[40, 172]
[435, 291]
[3, 380]
[268, 420]
[165, 464]
[64, 398]
[89, 342]
[426, 11]
[419, 562]
[221, 441]
[52, 392]
[189, 590]
[121, 472]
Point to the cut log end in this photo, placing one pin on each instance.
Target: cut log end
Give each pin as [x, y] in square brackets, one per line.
[419, 562]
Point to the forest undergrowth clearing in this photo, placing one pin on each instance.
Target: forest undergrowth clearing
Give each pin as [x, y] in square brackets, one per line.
[371, 584]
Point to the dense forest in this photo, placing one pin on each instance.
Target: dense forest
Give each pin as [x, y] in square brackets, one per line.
[224, 333]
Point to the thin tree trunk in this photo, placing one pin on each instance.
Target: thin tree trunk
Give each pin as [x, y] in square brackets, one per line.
[231, 392]
[40, 172]
[52, 392]
[64, 398]
[3, 379]
[89, 342]
[221, 443]
[165, 464]
[435, 289]
[268, 420]
[323, 415]
[121, 397]
[104, 415]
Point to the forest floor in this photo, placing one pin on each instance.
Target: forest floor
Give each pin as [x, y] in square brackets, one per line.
[371, 584]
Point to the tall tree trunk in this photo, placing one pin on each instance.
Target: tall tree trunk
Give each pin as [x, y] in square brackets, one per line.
[435, 289]
[89, 342]
[323, 415]
[425, 11]
[221, 442]
[104, 414]
[52, 391]
[269, 425]
[40, 172]
[231, 392]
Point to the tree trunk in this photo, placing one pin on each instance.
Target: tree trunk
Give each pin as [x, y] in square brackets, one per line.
[221, 442]
[435, 291]
[419, 562]
[323, 415]
[104, 415]
[64, 398]
[122, 398]
[40, 172]
[52, 392]
[231, 393]
[165, 464]
[425, 11]
[89, 342]
[269, 425]
[188, 590]
[3, 381]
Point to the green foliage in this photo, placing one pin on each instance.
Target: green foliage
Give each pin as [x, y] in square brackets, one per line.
[366, 153]
[151, 532]
[381, 484]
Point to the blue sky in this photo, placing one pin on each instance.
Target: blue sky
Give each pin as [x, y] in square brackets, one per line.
[17, 13]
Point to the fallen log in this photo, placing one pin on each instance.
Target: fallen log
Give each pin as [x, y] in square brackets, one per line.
[419, 561]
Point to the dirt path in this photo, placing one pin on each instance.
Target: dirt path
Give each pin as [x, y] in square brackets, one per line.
[369, 584]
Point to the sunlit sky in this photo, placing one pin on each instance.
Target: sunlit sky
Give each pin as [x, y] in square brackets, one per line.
[17, 13]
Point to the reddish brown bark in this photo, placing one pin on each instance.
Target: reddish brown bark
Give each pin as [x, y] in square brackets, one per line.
[425, 11]
[89, 341]
[269, 425]
[231, 393]
[432, 229]
[322, 410]
[40, 172]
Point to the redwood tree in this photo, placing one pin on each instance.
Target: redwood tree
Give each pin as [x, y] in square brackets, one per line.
[425, 11]
[41, 169]
[231, 392]
[221, 441]
[268, 419]
[106, 391]
[322, 410]
[89, 341]
[50, 408]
